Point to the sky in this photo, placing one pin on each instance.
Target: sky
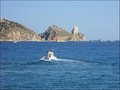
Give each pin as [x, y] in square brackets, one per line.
[96, 19]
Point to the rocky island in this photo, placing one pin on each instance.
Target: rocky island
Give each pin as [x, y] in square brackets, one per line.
[13, 31]
[54, 33]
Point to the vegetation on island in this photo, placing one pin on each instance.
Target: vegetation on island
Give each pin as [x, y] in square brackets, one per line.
[13, 31]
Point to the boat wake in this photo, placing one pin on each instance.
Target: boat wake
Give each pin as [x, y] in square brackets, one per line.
[65, 60]
[73, 61]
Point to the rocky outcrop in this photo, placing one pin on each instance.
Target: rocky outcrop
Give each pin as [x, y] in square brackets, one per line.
[13, 31]
[54, 33]
[74, 30]
[77, 36]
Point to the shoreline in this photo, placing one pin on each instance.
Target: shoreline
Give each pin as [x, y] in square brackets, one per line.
[65, 41]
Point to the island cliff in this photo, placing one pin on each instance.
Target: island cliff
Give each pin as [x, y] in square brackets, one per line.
[13, 31]
[54, 33]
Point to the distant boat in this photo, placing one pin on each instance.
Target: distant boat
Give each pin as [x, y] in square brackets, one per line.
[15, 41]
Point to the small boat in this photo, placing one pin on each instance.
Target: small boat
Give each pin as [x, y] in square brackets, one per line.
[15, 41]
[49, 58]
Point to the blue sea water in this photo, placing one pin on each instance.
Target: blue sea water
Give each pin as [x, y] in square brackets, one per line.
[80, 65]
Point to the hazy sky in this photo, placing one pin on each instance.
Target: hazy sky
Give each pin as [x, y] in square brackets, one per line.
[96, 19]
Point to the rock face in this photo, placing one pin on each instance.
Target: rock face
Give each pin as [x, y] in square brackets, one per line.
[77, 36]
[13, 31]
[54, 33]
[74, 30]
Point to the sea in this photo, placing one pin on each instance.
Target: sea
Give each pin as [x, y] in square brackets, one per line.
[79, 66]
